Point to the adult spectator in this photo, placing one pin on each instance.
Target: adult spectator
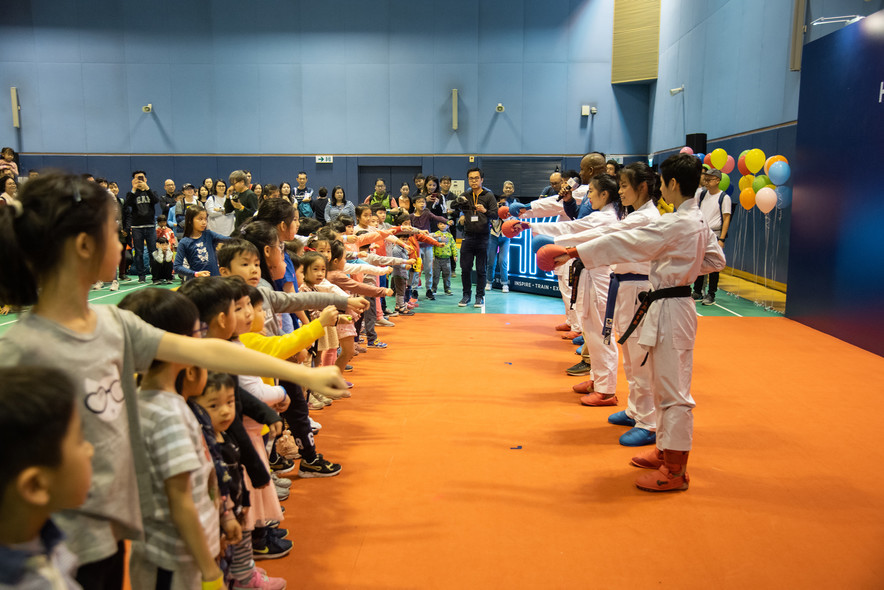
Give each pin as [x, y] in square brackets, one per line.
[220, 221]
[479, 208]
[140, 220]
[10, 188]
[339, 205]
[716, 207]
[555, 185]
[612, 167]
[419, 180]
[167, 201]
[302, 195]
[244, 203]
[380, 196]
[499, 245]
[319, 204]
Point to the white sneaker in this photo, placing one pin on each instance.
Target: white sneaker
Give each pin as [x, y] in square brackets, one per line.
[280, 482]
[487, 286]
[385, 322]
[316, 426]
[97, 286]
[115, 285]
[505, 289]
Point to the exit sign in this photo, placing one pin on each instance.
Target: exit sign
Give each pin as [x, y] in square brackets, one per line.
[324, 159]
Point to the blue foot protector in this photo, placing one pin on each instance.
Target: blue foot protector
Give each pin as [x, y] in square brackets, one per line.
[638, 437]
[579, 351]
[621, 419]
[578, 341]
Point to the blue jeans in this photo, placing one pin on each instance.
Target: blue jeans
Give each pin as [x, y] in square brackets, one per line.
[140, 236]
[498, 251]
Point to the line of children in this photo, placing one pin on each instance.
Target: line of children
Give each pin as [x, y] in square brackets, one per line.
[59, 242]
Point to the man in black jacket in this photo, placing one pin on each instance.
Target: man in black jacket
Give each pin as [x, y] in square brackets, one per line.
[140, 220]
[479, 208]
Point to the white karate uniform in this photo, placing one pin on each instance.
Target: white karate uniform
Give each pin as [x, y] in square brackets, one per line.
[593, 292]
[551, 207]
[680, 247]
[640, 405]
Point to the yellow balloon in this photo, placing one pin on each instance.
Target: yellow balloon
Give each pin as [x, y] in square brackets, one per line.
[746, 182]
[755, 160]
[718, 157]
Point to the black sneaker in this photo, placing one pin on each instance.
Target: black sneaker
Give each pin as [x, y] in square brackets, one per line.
[480, 302]
[696, 296]
[267, 546]
[709, 299]
[318, 468]
[278, 533]
[280, 465]
[581, 368]
[430, 296]
[464, 302]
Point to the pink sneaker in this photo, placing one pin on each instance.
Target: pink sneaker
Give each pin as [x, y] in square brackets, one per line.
[261, 580]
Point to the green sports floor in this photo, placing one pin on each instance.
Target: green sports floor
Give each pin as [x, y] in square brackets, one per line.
[495, 302]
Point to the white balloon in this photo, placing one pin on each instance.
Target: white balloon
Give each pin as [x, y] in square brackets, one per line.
[766, 199]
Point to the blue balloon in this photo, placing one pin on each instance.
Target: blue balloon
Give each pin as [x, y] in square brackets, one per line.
[540, 241]
[784, 195]
[779, 173]
[701, 156]
[730, 190]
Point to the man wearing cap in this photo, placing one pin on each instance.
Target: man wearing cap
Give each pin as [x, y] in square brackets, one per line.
[715, 205]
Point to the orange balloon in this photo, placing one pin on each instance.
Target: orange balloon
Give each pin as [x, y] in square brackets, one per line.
[747, 198]
[773, 160]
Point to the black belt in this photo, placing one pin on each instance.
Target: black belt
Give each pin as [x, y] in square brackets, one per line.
[574, 278]
[647, 298]
[613, 288]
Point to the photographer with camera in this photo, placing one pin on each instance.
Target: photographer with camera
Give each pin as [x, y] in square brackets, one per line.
[479, 208]
[140, 220]
[243, 201]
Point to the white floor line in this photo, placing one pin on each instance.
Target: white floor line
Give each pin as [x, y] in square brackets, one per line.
[135, 288]
[727, 310]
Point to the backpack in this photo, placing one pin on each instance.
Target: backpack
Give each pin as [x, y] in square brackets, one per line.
[720, 204]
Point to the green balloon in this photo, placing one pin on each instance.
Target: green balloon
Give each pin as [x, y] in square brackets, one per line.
[725, 181]
[743, 153]
[760, 182]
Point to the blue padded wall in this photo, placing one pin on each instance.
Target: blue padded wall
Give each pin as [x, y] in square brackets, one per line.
[836, 263]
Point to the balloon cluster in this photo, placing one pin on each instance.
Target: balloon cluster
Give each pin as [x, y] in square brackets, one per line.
[764, 191]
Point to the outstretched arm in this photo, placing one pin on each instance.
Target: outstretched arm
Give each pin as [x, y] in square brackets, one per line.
[220, 355]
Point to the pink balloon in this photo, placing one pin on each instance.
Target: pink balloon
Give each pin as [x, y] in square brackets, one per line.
[729, 165]
[686, 150]
[766, 200]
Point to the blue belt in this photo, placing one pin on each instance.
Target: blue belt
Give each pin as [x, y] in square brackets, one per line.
[613, 288]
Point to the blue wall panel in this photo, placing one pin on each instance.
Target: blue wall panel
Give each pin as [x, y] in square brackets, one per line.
[61, 99]
[296, 77]
[733, 58]
[105, 108]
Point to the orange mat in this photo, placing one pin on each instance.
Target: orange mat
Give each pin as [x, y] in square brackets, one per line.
[787, 482]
